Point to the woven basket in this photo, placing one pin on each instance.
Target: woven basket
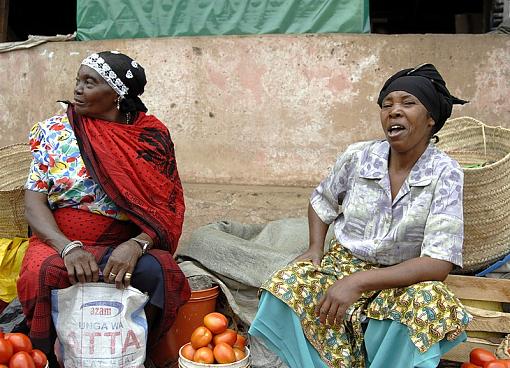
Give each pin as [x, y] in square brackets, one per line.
[14, 166]
[486, 188]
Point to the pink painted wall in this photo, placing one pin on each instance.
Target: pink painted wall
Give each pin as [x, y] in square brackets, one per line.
[270, 110]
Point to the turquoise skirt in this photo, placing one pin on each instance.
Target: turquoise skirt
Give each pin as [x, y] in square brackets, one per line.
[280, 328]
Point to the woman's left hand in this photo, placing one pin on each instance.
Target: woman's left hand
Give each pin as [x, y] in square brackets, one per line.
[339, 296]
[121, 264]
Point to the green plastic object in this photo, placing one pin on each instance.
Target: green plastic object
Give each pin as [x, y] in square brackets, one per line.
[108, 19]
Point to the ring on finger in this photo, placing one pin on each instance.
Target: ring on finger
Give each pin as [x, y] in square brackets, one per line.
[113, 275]
[127, 275]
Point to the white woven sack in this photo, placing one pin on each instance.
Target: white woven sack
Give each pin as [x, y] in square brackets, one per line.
[100, 326]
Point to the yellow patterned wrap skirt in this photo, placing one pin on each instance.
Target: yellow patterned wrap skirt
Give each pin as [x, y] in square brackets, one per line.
[429, 309]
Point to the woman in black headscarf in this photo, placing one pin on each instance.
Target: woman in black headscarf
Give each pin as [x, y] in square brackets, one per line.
[396, 208]
[104, 200]
[426, 84]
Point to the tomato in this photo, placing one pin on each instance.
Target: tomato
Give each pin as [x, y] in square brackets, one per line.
[498, 363]
[201, 337]
[223, 353]
[19, 341]
[469, 365]
[240, 354]
[228, 336]
[187, 351]
[6, 351]
[216, 322]
[240, 342]
[21, 359]
[479, 356]
[39, 358]
[494, 364]
[204, 355]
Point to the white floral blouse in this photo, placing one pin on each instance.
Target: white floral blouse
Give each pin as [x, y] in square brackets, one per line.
[424, 219]
[58, 170]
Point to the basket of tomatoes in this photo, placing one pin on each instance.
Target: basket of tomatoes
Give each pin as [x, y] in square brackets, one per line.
[215, 345]
[16, 352]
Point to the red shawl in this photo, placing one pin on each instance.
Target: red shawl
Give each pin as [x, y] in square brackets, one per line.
[135, 165]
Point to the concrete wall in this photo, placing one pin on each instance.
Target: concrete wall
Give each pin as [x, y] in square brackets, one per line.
[272, 110]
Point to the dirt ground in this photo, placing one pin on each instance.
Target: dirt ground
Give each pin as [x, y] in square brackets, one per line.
[208, 203]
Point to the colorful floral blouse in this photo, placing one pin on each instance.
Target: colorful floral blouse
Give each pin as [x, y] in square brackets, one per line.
[424, 219]
[58, 170]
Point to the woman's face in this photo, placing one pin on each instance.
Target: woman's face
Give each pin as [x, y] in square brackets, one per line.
[405, 121]
[93, 97]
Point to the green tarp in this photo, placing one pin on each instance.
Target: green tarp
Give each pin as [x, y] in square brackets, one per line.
[107, 19]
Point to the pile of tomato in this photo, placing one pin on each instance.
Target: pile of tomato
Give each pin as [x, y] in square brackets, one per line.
[481, 358]
[16, 352]
[214, 342]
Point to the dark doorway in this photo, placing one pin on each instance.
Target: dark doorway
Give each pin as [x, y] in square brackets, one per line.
[47, 18]
[434, 16]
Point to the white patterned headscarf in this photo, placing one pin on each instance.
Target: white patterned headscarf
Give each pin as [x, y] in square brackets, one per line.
[123, 74]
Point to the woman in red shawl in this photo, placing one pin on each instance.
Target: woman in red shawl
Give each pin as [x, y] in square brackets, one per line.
[103, 199]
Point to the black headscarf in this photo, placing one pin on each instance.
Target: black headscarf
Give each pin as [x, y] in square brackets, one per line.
[123, 74]
[426, 84]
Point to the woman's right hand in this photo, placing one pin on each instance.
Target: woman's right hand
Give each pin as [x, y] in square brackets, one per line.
[81, 266]
[311, 255]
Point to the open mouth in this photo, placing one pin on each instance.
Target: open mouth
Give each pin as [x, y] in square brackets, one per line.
[395, 130]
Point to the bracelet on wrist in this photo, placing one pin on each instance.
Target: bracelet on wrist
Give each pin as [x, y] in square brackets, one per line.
[70, 246]
[144, 244]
